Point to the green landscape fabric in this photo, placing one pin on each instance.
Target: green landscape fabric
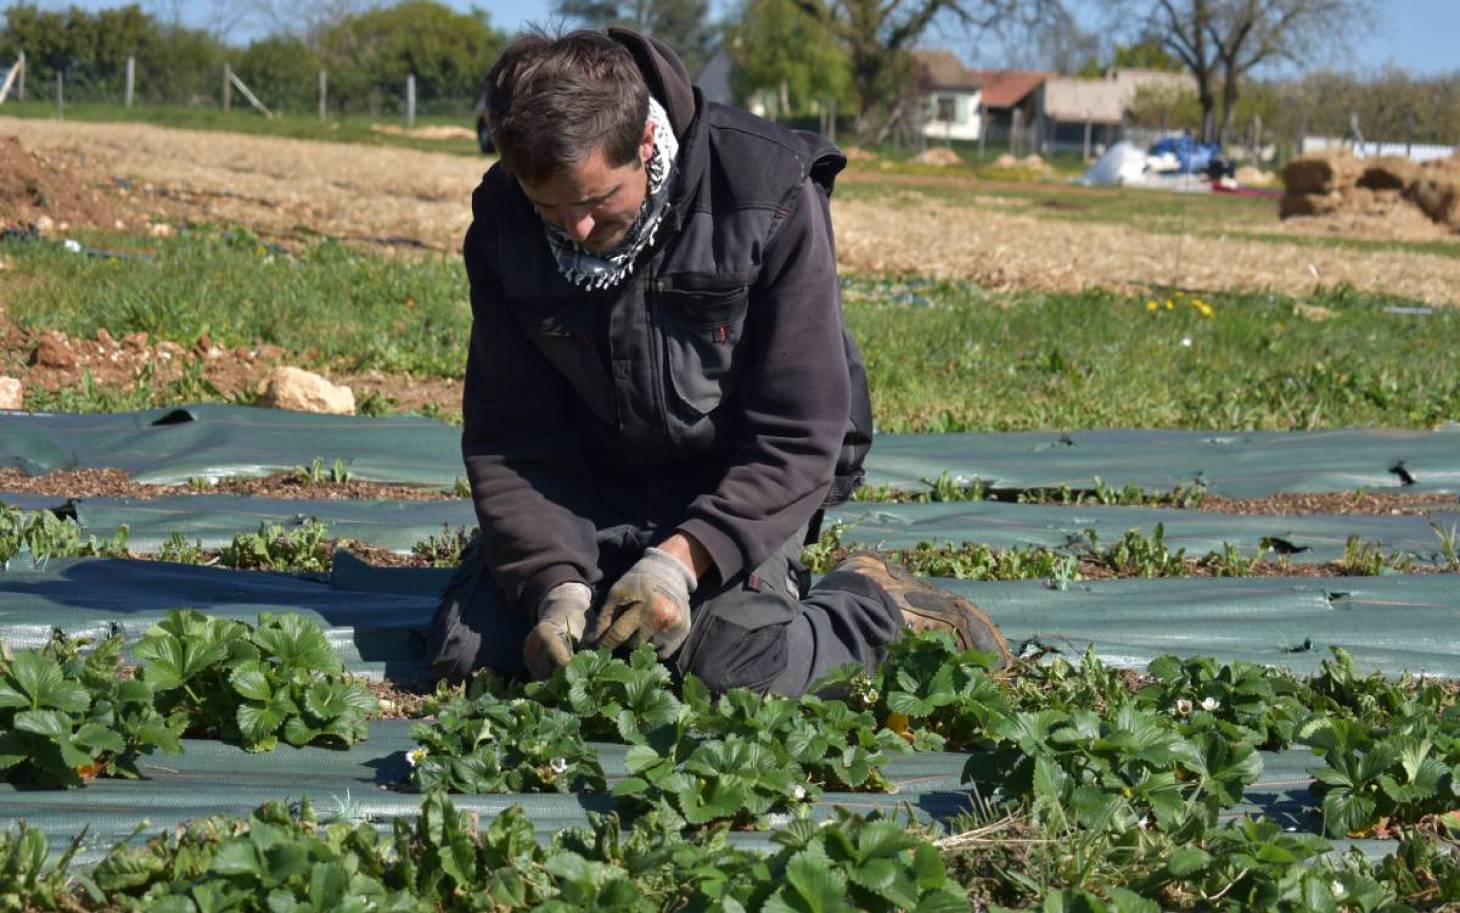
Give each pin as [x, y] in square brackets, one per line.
[214, 441]
[1239, 465]
[376, 617]
[211, 778]
[213, 520]
[1309, 538]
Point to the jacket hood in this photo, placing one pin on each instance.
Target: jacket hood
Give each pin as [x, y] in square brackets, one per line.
[664, 72]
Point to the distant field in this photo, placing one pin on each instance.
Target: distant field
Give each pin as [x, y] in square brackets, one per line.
[350, 128]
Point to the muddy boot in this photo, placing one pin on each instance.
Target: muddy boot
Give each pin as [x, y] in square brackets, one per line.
[926, 608]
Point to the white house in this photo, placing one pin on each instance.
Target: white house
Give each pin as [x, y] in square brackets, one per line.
[952, 95]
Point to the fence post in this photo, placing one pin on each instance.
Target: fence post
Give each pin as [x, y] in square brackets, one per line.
[227, 87]
[131, 78]
[60, 96]
[1088, 127]
[411, 102]
[20, 87]
[323, 88]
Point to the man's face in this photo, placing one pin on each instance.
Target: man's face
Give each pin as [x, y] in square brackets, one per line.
[594, 202]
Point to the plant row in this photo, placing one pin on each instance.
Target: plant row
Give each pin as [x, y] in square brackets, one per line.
[1180, 748]
[66, 717]
[287, 859]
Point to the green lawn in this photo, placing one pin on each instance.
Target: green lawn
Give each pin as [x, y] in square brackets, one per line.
[941, 356]
[353, 128]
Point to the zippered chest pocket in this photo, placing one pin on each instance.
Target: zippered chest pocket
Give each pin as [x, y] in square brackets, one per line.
[569, 349]
[703, 328]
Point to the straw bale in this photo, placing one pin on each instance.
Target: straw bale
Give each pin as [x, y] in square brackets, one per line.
[1392, 172]
[1436, 190]
[1309, 204]
[1324, 172]
[1250, 176]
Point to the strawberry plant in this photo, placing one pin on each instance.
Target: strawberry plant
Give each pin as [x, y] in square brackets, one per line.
[618, 701]
[491, 745]
[929, 692]
[44, 534]
[837, 747]
[1400, 773]
[274, 548]
[253, 685]
[1241, 701]
[66, 718]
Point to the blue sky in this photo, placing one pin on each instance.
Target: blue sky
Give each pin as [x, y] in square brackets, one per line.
[1418, 35]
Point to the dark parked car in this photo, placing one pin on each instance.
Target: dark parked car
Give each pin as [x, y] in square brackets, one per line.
[484, 135]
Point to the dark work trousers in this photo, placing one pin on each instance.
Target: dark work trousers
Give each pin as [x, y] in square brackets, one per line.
[761, 630]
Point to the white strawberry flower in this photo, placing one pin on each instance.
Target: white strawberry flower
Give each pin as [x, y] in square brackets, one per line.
[416, 755]
[798, 792]
[1183, 706]
[559, 765]
[1338, 889]
[1210, 703]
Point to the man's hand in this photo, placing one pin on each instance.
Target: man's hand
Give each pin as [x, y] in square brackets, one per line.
[561, 620]
[650, 603]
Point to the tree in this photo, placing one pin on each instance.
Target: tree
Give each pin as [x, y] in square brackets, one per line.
[1222, 41]
[370, 54]
[877, 36]
[776, 47]
[682, 24]
[283, 70]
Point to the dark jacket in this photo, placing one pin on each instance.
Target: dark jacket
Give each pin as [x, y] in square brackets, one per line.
[710, 391]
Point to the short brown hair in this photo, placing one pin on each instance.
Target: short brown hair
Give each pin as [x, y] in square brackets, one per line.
[551, 101]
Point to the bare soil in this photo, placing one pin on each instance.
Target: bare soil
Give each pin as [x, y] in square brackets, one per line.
[400, 200]
[113, 483]
[35, 187]
[54, 361]
[1349, 502]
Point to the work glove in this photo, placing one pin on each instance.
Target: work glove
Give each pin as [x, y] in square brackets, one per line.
[561, 620]
[649, 604]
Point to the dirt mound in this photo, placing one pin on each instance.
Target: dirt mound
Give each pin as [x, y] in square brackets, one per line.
[938, 155]
[1392, 196]
[36, 190]
[858, 154]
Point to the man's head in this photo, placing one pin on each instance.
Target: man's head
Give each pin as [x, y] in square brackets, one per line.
[570, 118]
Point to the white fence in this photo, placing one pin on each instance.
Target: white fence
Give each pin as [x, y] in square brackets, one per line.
[1418, 151]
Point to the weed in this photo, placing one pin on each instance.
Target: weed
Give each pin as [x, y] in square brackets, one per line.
[274, 548]
[444, 550]
[177, 549]
[1449, 542]
[1368, 559]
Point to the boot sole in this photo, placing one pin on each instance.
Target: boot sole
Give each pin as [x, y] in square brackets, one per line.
[941, 609]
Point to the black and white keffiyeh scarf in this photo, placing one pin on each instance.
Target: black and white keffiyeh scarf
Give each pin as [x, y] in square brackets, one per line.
[594, 271]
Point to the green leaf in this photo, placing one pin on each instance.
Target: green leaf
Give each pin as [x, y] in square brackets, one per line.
[238, 857]
[819, 886]
[38, 682]
[1187, 860]
[52, 724]
[252, 682]
[99, 738]
[257, 723]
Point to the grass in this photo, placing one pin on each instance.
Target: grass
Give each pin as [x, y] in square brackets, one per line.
[941, 356]
[243, 119]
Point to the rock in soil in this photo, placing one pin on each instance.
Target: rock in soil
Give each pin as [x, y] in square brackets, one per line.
[305, 391]
[12, 393]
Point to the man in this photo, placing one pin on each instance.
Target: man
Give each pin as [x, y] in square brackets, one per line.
[660, 396]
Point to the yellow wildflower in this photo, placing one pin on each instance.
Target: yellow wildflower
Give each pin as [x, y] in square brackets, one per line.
[1170, 304]
[1151, 305]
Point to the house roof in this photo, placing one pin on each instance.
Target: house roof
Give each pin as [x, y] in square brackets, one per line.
[1007, 88]
[943, 70]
